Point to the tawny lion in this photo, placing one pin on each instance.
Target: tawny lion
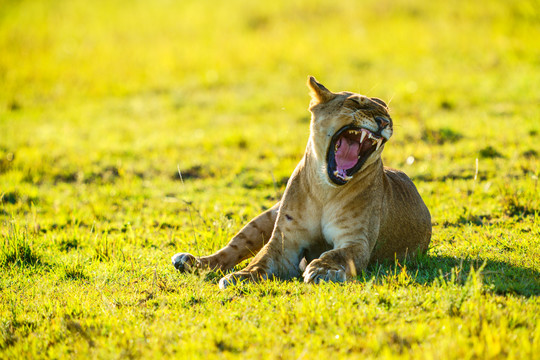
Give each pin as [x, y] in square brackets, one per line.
[341, 209]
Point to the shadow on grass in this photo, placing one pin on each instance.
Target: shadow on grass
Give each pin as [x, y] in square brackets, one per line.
[500, 277]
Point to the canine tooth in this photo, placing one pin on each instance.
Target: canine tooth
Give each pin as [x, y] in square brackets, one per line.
[379, 142]
[363, 136]
[338, 175]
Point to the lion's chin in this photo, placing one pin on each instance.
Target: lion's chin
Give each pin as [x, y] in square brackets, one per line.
[349, 149]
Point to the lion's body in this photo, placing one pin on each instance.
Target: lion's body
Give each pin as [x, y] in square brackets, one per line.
[377, 214]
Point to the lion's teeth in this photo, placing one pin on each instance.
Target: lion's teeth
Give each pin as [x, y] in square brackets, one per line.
[379, 142]
[338, 175]
[363, 136]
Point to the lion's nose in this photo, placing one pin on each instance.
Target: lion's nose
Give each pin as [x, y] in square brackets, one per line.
[382, 122]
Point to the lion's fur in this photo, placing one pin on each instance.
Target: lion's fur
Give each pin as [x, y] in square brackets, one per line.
[338, 230]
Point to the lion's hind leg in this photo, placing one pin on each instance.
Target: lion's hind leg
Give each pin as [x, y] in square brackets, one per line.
[245, 244]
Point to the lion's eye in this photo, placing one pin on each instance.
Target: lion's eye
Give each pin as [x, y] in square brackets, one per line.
[356, 100]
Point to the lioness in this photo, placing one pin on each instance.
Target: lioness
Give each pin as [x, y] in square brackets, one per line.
[341, 208]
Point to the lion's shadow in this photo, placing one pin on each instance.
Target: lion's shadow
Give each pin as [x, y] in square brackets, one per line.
[501, 277]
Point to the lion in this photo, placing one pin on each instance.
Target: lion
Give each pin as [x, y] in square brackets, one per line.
[341, 209]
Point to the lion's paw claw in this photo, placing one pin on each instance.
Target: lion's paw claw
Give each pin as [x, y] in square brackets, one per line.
[316, 273]
[184, 262]
[227, 281]
[241, 276]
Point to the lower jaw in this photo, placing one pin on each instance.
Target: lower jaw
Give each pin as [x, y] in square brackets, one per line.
[339, 181]
[343, 177]
[336, 180]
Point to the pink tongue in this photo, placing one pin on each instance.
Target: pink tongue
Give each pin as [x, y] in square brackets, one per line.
[347, 154]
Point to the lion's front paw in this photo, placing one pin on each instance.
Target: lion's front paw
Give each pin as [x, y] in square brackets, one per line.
[241, 276]
[318, 271]
[184, 262]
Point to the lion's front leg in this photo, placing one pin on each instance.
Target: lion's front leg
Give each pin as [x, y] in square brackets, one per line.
[292, 235]
[352, 240]
[338, 265]
[279, 258]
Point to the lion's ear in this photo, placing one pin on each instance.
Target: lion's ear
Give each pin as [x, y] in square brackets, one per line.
[319, 93]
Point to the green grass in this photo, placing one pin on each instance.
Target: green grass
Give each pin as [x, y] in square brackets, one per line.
[102, 104]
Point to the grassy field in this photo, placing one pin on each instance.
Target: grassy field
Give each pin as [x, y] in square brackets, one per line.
[103, 103]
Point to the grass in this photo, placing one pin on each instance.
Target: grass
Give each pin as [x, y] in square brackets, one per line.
[102, 106]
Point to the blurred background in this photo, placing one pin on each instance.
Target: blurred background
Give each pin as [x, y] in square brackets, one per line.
[53, 50]
[129, 92]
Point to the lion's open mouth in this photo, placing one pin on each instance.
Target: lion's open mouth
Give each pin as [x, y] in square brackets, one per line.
[349, 149]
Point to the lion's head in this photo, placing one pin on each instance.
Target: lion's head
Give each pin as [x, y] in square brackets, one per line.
[348, 131]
